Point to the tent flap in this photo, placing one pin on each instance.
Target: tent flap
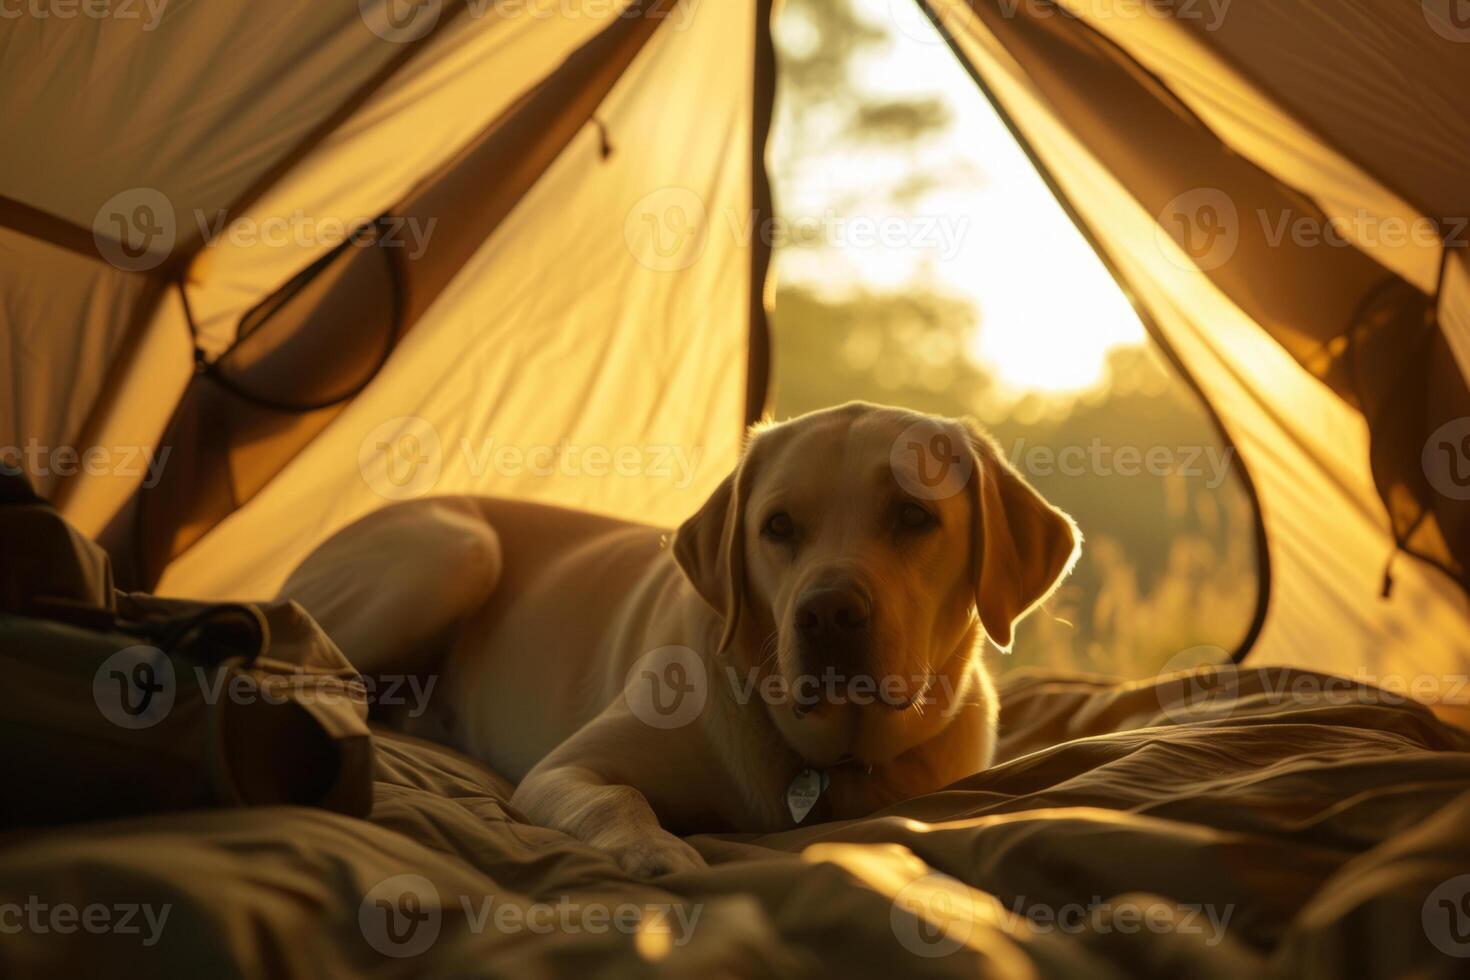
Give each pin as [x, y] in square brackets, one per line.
[318, 341]
[1329, 370]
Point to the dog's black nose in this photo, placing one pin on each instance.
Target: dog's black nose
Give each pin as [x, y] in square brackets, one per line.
[833, 613]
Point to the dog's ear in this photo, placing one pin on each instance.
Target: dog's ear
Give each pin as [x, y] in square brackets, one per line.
[710, 550]
[1023, 545]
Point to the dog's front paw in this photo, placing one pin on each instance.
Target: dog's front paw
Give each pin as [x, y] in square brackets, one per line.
[658, 854]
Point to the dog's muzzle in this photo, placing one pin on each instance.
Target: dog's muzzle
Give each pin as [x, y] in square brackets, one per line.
[833, 627]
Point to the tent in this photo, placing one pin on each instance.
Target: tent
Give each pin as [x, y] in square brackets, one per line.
[399, 248]
[271, 265]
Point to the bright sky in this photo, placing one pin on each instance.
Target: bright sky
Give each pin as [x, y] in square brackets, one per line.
[986, 228]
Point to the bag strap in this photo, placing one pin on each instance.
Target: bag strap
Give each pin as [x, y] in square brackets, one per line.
[211, 635]
[208, 635]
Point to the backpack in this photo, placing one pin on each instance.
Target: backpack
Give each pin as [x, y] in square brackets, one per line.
[127, 703]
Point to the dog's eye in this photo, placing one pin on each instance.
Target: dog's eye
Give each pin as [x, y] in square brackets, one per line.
[779, 526]
[912, 516]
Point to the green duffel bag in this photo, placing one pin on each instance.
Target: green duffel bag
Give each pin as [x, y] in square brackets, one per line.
[123, 704]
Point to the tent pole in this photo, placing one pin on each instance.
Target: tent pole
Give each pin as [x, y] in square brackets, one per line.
[763, 99]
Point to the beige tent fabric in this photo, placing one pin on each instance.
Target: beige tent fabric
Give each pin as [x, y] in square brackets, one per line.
[450, 91]
[1306, 449]
[131, 414]
[318, 340]
[1369, 124]
[195, 101]
[1194, 54]
[63, 318]
[443, 96]
[204, 103]
[599, 337]
[1382, 82]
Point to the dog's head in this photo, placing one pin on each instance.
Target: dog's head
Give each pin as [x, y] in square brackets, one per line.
[854, 554]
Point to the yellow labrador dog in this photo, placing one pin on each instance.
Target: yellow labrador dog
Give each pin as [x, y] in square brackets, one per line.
[807, 646]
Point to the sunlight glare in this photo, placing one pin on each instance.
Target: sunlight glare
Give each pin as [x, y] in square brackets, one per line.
[1048, 313]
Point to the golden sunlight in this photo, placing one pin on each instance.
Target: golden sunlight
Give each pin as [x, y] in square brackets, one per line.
[980, 225]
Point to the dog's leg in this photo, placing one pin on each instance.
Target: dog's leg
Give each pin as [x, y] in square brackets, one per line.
[387, 587]
[580, 790]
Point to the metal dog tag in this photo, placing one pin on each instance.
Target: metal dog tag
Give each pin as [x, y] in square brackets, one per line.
[804, 792]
